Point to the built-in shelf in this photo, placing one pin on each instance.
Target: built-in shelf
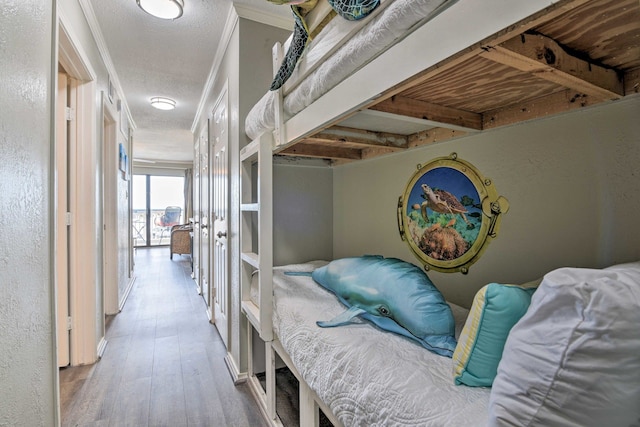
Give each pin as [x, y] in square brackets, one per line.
[253, 313]
[250, 151]
[251, 258]
[256, 235]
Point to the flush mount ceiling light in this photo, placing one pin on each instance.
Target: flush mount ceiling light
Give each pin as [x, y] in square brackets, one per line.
[163, 103]
[164, 9]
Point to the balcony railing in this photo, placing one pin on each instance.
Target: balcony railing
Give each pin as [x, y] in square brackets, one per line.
[160, 235]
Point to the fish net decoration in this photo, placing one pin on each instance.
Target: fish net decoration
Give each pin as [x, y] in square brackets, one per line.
[298, 44]
[351, 10]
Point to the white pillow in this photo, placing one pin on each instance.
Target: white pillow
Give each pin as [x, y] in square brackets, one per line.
[574, 357]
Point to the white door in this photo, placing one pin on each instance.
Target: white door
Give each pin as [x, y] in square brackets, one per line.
[62, 229]
[205, 223]
[196, 215]
[219, 141]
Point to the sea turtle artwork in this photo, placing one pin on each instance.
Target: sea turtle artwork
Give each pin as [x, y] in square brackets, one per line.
[437, 195]
[442, 201]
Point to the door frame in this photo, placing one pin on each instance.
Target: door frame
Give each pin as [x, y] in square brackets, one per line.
[61, 220]
[109, 132]
[221, 278]
[85, 276]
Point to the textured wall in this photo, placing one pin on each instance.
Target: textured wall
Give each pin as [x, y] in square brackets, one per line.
[572, 183]
[27, 360]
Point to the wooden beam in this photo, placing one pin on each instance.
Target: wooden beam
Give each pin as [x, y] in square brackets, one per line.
[303, 149]
[544, 58]
[427, 111]
[632, 81]
[339, 136]
[543, 16]
[555, 103]
[434, 135]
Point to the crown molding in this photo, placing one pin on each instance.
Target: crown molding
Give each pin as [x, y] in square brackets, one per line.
[230, 25]
[96, 31]
[236, 12]
[252, 14]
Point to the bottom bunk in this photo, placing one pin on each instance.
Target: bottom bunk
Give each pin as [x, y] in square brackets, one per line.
[359, 374]
[553, 332]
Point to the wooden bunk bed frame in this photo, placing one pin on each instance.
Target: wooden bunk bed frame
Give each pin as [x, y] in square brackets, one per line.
[572, 54]
[531, 61]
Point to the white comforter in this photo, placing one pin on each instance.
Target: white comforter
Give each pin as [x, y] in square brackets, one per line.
[389, 26]
[368, 377]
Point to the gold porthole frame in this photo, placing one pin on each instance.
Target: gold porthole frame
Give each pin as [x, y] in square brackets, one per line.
[448, 214]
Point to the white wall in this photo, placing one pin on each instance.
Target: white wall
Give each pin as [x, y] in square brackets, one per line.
[27, 358]
[572, 182]
[302, 217]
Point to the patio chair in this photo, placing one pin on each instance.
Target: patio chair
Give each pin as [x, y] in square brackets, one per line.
[167, 220]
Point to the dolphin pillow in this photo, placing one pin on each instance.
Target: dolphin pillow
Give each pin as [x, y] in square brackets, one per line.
[392, 294]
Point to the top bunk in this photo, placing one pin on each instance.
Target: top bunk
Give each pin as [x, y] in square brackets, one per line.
[459, 67]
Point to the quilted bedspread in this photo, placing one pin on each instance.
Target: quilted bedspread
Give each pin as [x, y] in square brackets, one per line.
[367, 376]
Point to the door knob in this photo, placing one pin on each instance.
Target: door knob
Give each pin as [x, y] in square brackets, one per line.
[221, 234]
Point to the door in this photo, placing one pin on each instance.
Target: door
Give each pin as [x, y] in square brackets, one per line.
[205, 261]
[110, 228]
[195, 256]
[219, 148]
[62, 227]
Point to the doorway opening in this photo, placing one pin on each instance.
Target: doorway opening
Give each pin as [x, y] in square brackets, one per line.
[158, 204]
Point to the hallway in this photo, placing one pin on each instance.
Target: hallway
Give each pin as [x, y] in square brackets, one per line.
[164, 362]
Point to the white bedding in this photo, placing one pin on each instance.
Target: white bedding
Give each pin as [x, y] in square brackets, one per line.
[388, 27]
[368, 377]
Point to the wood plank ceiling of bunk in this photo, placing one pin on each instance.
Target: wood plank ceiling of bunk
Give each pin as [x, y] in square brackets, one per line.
[576, 53]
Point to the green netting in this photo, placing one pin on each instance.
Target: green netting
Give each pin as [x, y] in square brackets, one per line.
[351, 10]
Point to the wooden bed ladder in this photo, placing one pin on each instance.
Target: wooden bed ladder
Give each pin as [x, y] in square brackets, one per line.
[256, 253]
[257, 224]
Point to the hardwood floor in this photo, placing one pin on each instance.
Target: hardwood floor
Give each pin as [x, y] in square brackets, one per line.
[164, 362]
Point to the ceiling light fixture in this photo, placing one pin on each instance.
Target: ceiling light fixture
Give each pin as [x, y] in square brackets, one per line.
[163, 103]
[164, 9]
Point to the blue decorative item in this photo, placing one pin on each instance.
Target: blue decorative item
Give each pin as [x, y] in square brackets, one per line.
[351, 10]
[392, 294]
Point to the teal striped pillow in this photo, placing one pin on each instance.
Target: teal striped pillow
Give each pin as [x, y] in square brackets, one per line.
[495, 309]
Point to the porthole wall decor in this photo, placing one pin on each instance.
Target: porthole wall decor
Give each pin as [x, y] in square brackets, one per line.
[448, 214]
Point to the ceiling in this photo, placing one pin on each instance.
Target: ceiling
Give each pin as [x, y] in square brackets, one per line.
[156, 57]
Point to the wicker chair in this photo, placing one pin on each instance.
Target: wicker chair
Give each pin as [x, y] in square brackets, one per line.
[180, 239]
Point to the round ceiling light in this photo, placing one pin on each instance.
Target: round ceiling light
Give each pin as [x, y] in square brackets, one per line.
[163, 103]
[164, 9]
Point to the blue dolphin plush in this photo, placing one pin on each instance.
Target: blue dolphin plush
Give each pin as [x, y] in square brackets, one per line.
[394, 295]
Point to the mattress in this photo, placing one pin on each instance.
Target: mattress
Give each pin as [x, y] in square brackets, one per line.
[385, 29]
[367, 376]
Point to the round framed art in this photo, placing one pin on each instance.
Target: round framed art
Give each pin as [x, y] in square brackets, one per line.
[448, 212]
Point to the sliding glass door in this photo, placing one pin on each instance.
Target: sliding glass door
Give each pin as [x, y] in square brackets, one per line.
[158, 204]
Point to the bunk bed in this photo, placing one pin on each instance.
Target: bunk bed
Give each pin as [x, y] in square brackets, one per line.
[460, 67]
[463, 67]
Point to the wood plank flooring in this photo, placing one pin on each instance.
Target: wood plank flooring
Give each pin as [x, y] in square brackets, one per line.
[164, 362]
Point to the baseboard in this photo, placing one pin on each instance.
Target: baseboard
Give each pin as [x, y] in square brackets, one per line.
[127, 291]
[237, 376]
[102, 346]
[198, 287]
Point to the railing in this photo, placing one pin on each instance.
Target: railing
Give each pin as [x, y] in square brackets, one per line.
[159, 235]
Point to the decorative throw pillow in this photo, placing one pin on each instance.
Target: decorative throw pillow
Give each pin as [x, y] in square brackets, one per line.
[495, 309]
[574, 358]
[395, 295]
